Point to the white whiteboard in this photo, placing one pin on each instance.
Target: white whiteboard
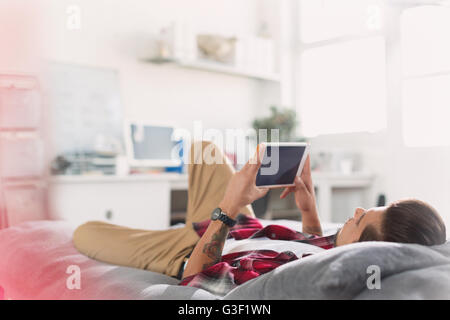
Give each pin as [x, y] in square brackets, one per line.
[85, 108]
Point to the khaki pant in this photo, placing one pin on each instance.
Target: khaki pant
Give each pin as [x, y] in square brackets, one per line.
[162, 250]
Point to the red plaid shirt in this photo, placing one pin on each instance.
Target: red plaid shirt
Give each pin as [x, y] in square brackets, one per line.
[239, 267]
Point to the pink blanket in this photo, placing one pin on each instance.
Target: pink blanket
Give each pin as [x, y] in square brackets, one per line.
[39, 261]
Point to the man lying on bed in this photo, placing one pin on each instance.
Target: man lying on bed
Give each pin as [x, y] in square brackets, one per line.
[194, 252]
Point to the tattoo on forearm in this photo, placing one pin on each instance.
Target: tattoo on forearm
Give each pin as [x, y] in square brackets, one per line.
[213, 249]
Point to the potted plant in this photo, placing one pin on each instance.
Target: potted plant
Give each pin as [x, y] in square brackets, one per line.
[282, 119]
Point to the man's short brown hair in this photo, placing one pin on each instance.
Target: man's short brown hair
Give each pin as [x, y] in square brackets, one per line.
[408, 221]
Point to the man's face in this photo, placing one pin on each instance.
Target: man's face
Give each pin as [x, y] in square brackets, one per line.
[352, 229]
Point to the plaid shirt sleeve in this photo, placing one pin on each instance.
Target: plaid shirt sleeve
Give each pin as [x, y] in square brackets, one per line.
[239, 267]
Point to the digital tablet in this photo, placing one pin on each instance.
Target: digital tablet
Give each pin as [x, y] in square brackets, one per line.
[281, 163]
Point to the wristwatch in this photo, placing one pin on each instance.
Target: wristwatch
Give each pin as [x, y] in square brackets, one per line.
[218, 214]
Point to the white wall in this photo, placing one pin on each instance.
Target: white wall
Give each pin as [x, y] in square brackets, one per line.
[116, 34]
[20, 31]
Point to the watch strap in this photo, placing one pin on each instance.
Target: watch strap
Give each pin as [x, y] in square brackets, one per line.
[227, 220]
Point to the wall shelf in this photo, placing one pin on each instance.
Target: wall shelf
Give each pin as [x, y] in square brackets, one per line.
[217, 67]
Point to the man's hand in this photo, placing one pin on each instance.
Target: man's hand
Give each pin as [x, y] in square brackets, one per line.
[305, 199]
[241, 189]
[303, 190]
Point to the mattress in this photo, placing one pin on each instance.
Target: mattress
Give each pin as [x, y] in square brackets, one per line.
[39, 261]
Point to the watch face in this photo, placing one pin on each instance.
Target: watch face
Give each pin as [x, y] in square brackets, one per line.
[216, 213]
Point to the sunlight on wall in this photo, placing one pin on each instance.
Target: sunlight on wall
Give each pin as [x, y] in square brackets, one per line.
[343, 88]
[426, 65]
[327, 19]
[426, 112]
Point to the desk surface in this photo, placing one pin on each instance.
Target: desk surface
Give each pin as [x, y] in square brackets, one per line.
[179, 181]
[166, 176]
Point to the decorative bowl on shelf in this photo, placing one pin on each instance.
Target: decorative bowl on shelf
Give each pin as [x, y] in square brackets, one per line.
[216, 48]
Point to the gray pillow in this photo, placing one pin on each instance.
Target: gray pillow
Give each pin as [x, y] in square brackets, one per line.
[342, 273]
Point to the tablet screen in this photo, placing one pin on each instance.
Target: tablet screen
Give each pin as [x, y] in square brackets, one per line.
[280, 165]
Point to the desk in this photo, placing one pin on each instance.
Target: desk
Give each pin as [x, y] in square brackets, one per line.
[143, 201]
[325, 182]
[136, 201]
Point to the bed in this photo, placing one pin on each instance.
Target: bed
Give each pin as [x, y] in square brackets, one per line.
[38, 261]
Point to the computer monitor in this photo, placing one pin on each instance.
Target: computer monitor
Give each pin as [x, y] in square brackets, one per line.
[151, 145]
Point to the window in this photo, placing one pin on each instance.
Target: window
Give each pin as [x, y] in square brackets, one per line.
[426, 111]
[343, 88]
[341, 77]
[328, 19]
[426, 40]
[426, 87]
